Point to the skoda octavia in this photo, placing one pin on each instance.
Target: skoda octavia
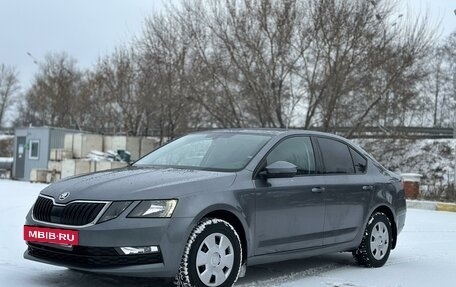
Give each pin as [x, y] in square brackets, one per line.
[205, 206]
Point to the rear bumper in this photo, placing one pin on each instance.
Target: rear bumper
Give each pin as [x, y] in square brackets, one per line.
[168, 234]
[401, 213]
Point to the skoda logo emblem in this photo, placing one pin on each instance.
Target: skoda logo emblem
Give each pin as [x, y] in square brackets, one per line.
[64, 195]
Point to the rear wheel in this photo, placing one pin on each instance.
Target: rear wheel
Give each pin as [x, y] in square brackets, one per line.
[375, 248]
[212, 256]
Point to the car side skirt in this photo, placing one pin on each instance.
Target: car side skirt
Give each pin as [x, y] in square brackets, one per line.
[299, 254]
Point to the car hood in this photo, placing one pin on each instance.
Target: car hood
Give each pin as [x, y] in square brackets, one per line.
[134, 183]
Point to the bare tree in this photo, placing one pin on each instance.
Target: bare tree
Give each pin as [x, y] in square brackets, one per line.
[115, 81]
[245, 59]
[449, 50]
[437, 93]
[359, 59]
[249, 63]
[9, 86]
[163, 77]
[437, 85]
[263, 63]
[51, 98]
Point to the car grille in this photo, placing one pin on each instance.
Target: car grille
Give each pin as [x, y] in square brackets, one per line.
[74, 213]
[90, 256]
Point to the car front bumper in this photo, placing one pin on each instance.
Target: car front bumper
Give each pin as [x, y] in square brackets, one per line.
[168, 234]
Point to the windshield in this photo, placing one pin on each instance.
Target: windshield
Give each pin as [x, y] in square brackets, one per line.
[210, 151]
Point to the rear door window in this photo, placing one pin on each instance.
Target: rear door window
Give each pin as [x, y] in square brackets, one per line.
[336, 156]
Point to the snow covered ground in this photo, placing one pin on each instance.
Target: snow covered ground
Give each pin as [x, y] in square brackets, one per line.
[425, 256]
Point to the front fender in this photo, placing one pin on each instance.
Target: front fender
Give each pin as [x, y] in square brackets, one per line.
[226, 208]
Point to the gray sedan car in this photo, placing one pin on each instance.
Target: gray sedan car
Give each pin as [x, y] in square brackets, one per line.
[205, 206]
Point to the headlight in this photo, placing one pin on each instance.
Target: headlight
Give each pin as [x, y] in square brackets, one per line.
[114, 210]
[154, 208]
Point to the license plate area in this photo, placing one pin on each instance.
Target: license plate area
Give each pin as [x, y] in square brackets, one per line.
[66, 237]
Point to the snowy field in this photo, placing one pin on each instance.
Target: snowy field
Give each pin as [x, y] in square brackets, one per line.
[425, 256]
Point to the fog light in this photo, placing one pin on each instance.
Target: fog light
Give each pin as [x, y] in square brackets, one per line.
[139, 250]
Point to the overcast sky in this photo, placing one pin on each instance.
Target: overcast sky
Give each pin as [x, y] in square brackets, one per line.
[85, 29]
[88, 29]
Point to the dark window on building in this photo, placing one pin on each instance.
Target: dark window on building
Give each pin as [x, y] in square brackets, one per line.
[359, 161]
[296, 150]
[336, 156]
[34, 149]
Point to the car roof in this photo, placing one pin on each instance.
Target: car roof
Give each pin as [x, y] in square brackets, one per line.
[272, 131]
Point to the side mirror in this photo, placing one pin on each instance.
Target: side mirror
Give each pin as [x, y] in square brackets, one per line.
[279, 169]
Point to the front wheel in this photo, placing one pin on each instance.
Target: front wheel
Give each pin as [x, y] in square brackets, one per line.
[212, 256]
[375, 248]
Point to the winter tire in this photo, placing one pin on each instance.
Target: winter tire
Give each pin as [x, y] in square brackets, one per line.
[375, 247]
[212, 256]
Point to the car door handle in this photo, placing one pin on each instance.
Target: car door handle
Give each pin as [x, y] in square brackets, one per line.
[368, 187]
[318, 189]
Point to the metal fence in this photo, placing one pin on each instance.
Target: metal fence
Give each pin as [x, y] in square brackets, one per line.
[396, 132]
